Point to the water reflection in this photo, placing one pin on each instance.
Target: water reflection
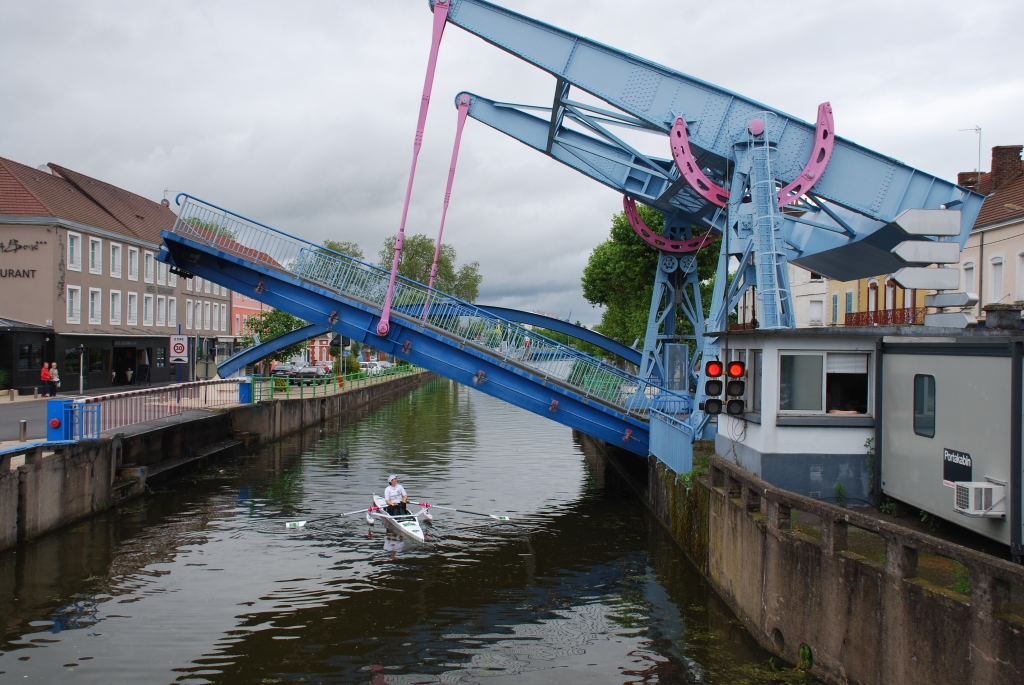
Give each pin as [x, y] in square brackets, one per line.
[203, 583]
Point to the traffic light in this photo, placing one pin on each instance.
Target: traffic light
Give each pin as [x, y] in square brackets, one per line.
[713, 387]
[735, 388]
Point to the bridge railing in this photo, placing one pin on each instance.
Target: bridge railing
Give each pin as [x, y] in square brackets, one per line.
[256, 242]
[121, 409]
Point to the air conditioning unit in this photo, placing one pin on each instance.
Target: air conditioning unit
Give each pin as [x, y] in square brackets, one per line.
[980, 500]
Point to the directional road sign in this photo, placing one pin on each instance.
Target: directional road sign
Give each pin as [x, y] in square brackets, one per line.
[951, 300]
[929, 222]
[179, 349]
[928, 252]
[921, 278]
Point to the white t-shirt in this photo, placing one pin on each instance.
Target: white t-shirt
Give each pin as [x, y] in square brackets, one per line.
[394, 494]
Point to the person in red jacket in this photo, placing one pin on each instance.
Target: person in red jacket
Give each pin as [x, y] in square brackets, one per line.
[44, 376]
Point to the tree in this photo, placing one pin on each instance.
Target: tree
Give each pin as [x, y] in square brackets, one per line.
[620, 276]
[417, 257]
[345, 247]
[270, 324]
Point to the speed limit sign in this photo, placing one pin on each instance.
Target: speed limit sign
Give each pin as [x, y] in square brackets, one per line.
[179, 349]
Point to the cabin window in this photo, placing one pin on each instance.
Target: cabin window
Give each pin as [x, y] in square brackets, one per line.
[924, 405]
[818, 382]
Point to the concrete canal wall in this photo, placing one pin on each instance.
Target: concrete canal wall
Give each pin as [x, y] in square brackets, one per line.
[854, 598]
[55, 488]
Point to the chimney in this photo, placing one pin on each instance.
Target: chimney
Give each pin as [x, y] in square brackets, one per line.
[1006, 164]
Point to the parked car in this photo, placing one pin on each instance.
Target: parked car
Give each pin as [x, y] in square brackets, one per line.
[312, 375]
[285, 370]
[326, 366]
[371, 368]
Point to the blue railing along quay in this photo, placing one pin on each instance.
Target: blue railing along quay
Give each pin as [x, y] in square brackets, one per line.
[459, 322]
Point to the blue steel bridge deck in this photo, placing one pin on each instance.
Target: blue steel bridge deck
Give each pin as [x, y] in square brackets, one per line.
[456, 339]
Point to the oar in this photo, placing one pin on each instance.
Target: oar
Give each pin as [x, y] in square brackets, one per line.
[300, 524]
[428, 505]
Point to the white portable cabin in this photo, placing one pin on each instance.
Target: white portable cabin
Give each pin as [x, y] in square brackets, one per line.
[943, 407]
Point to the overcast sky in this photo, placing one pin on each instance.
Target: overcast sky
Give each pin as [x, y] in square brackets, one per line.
[302, 114]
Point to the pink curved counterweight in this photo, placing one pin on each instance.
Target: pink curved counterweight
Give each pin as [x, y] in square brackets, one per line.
[689, 168]
[463, 112]
[655, 240]
[440, 16]
[824, 141]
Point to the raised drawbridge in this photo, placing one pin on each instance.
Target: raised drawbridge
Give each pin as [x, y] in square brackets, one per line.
[760, 187]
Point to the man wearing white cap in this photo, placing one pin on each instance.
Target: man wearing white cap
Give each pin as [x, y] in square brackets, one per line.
[394, 495]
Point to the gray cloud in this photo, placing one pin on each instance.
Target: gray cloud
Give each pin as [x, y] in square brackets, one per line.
[301, 115]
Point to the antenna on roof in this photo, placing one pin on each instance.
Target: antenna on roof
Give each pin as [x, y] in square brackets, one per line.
[977, 129]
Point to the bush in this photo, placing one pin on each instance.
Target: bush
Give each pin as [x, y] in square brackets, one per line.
[5, 379]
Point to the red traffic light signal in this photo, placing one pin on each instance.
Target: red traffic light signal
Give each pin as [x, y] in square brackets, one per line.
[736, 369]
[714, 369]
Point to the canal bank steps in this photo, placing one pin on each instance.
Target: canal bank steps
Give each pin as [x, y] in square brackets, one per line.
[53, 487]
[851, 598]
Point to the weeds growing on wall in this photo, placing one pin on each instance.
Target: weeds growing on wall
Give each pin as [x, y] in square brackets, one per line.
[840, 495]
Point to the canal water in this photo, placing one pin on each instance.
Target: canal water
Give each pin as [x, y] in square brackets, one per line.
[201, 582]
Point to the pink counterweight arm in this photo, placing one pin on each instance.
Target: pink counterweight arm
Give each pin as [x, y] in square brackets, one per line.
[463, 112]
[440, 16]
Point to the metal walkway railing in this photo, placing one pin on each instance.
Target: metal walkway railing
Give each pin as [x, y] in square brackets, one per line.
[455, 320]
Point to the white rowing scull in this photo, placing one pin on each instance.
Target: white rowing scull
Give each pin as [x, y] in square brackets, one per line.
[405, 524]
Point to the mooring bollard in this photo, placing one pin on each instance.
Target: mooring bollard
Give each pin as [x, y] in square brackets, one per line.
[35, 393]
[10, 394]
[23, 431]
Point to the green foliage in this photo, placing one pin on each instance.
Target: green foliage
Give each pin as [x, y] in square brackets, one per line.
[929, 520]
[701, 464]
[888, 508]
[417, 257]
[620, 277]
[344, 247]
[806, 658]
[274, 323]
[961, 580]
[840, 495]
[5, 379]
[211, 226]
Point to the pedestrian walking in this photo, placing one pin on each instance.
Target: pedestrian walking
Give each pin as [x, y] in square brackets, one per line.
[54, 379]
[44, 378]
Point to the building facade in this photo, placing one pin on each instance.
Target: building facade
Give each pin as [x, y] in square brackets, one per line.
[78, 263]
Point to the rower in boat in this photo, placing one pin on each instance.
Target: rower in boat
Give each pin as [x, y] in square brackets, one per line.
[395, 497]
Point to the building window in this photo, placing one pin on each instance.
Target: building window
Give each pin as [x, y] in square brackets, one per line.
[95, 256]
[188, 284]
[890, 295]
[172, 312]
[95, 355]
[115, 307]
[206, 285]
[147, 310]
[754, 379]
[188, 314]
[74, 304]
[148, 266]
[206, 316]
[115, 260]
[924, 405]
[873, 297]
[1020, 276]
[835, 307]
[995, 284]
[172, 280]
[30, 357]
[224, 318]
[161, 310]
[800, 381]
[817, 312]
[74, 251]
[133, 263]
[199, 283]
[238, 325]
[216, 316]
[95, 306]
[161, 273]
[133, 309]
[833, 382]
[849, 301]
[816, 277]
[969, 278]
[161, 357]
